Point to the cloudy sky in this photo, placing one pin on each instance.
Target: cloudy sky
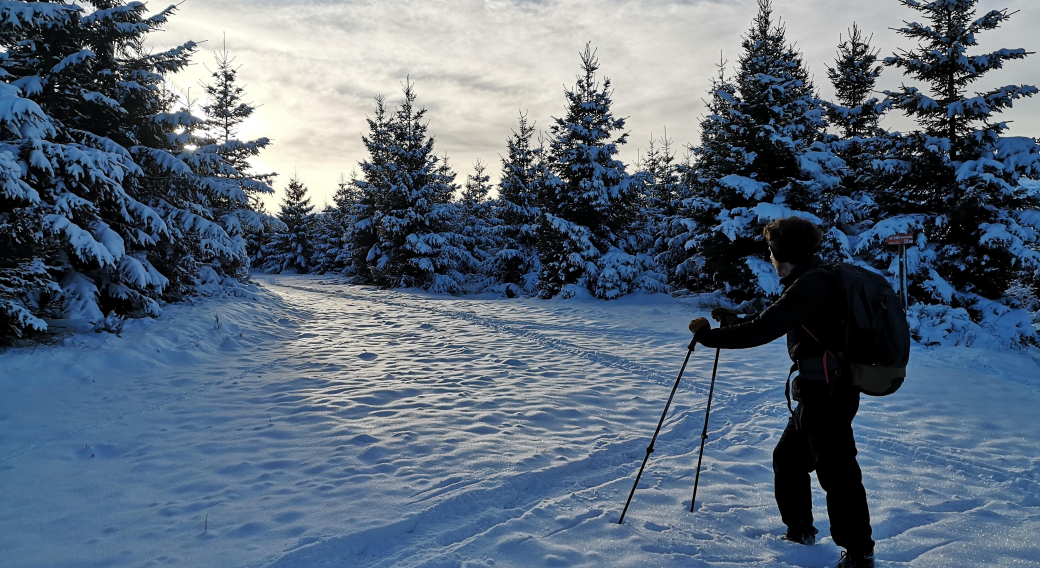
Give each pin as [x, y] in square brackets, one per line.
[315, 65]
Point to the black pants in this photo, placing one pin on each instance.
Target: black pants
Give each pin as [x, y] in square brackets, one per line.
[819, 437]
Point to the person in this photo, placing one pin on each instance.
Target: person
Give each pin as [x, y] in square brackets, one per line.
[818, 435]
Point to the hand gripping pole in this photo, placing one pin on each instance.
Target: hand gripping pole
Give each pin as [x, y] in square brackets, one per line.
[650, 448]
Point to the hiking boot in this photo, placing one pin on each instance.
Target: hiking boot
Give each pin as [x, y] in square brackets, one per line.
[856, 560]
[807, 537]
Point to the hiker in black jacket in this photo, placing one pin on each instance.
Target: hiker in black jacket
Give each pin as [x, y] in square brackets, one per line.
[819, 433]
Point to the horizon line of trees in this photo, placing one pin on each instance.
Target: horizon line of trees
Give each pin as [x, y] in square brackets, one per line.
[572, 220]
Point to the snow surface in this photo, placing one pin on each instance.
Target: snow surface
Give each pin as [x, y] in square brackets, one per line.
[331, 425]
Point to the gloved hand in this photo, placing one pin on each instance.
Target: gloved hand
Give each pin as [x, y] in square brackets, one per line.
[699, 324]
[725, 316]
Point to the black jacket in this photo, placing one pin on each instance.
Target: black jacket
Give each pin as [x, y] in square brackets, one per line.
[812, 298]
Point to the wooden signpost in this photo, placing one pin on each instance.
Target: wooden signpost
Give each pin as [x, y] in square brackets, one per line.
[901, 241]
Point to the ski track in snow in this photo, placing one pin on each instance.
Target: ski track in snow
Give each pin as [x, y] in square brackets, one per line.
[330, 425]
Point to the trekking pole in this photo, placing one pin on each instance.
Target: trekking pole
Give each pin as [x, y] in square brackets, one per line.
[650, 448]
[704, 434]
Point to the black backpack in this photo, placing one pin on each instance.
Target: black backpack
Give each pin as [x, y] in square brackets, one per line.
[877, 336]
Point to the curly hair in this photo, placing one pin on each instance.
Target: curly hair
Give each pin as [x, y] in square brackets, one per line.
[792, 239]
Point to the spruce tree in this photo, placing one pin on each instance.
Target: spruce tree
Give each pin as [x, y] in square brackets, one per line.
[660, 194]
[290, 250]
[110, 202]
[855, 72]
[406, 234]
[514, 266]
[225, 110]
[717, 156]
[857, 114]
[81, 233]
[324, 240]
[372, 185]
[966, 192]
[766, 157]
[477, 222]
[588, 201]
[332, 229]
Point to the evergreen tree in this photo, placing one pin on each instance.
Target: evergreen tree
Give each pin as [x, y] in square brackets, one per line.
[514, 266]
[80, 233]
[290, 250]
[965, 192]
[332, 229]
[588, 201]
[766, 156]
[477, 222]
[406, 233]
[660, 193]
[854, 75]
[255, 240]
[372, 185]
[718, 156]
[857, 114]
[225, 110]
[324, 240]
[109, 203]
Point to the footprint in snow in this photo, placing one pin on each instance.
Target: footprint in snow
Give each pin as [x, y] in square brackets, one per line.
[368, 356]
[425, 326]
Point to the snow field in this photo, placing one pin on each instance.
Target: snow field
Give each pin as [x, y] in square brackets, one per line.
[331, 425]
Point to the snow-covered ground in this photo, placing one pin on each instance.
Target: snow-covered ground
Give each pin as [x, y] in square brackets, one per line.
[329, 425]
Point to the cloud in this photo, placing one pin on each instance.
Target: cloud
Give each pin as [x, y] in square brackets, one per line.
[315, 65]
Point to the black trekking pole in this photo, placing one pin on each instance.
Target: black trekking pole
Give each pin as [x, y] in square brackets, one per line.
[650, 448]
[704, 434]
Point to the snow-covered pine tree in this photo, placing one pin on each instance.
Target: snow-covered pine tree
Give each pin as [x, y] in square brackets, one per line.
[290, 251]
[588, 201]
[324, 240]
[225, 110]
[968, 194]
[771, 148]
[109, 207]
[514, 266]
[332, 229]
[477, 223]
[855, 72]
[717, 156]
[255, 240]
[406, 234]
[66, 75]
[857, 114]
[372, 185]
[660, 193]
[26, 283]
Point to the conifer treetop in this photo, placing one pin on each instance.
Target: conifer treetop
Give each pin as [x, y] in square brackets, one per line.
[478, 185]
[854, 76]
[518, 172]
[855, 70]
[226, 108]
[583, 146]
[941, 59]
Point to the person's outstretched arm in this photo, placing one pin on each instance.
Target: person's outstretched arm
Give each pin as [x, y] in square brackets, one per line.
[799, 304]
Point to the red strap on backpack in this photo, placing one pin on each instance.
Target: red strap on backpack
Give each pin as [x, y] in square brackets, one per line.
[826, 375]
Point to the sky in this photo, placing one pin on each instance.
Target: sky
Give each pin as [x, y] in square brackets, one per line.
[315, 66]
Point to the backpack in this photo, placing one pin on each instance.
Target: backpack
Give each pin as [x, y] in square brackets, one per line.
[877, 336]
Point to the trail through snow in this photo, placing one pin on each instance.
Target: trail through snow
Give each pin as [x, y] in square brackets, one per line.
[331, 425]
